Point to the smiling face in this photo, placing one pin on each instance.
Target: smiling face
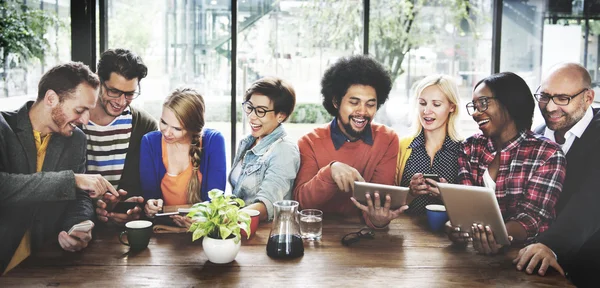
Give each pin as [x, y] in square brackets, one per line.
[172, 129]
[562, 118]
[261, 127]
[117, 83]
[494, 122]
[356, 110]
[73, 111]
[434, 109]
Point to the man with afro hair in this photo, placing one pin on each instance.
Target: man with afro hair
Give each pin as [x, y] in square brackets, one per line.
[351, 147]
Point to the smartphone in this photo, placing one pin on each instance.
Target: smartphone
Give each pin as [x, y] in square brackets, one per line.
[122, 207]
[82, 227]
[433, 177]
[166, 214]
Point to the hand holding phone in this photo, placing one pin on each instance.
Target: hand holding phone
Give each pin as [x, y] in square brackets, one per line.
[434, 177]
[123, 207]
[84, 226]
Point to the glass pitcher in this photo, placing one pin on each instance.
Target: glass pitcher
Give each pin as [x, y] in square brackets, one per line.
[285, 240]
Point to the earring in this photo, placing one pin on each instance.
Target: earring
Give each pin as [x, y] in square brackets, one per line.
[279, 121]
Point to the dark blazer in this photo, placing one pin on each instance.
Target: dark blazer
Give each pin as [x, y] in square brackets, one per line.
[575, 235]
[46, 202]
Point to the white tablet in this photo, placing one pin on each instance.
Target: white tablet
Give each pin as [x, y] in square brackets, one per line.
[398, 194]
[473, 204]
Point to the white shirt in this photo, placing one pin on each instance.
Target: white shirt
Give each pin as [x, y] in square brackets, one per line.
[488, 181]
[575, 132]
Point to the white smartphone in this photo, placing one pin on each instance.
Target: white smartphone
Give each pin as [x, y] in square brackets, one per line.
[85, 226]
[166, 214]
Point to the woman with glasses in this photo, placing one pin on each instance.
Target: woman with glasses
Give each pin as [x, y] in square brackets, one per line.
[266, 162]
[433, 148]
[183, 161]
[525, 169]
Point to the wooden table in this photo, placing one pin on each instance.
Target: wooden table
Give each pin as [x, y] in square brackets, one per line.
[407, 255]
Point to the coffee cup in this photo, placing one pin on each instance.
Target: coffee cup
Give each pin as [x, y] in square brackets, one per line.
[436, 216]
[138, 234]
[254, 221]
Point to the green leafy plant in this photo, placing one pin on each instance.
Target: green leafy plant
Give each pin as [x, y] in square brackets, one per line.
[219, 218]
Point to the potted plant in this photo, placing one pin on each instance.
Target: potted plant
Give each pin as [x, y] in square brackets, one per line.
[220, 222]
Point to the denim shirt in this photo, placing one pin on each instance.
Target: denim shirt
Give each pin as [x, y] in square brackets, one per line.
[268, 170]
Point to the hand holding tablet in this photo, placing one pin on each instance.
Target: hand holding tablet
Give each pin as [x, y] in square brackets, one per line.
[397, 193]
[468, 205]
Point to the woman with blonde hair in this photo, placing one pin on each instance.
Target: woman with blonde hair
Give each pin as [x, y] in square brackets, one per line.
[434, 146]
[183, 161]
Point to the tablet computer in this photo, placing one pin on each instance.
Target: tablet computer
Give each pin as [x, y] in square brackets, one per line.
[398, 194]
[466, 205]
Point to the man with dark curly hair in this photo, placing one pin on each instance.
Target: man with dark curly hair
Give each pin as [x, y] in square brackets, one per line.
[351, 147]
[115, 130]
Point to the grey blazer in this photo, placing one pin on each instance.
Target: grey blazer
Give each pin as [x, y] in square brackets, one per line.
[46, 202]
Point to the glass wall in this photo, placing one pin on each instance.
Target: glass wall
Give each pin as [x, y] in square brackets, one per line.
[188, 43]
[415, 40]
[297, 41]
[539, 34]
[22, 76]
[184, 44]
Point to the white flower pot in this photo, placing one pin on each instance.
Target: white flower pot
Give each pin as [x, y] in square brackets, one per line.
[220, 251]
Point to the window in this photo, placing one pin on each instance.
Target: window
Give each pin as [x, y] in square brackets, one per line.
[22, 76]
[446, 37]
[296, 41]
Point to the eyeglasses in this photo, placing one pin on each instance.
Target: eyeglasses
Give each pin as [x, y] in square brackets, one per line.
[560, 99]
[116, 93]
[259, 111]
[480, 105]
[354, 237]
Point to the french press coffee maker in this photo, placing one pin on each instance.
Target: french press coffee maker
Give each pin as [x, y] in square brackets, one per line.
[285, 240]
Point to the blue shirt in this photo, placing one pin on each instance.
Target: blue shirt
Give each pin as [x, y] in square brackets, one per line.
[213, 165]
[268, 169]
[339, 138]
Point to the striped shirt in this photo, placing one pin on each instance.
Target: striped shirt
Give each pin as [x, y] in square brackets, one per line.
[107, 147]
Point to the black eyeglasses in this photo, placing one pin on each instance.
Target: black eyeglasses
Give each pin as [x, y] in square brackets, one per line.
[259, 111]
[560, 99]
[116, 93]
[354, 237]
[480, 105]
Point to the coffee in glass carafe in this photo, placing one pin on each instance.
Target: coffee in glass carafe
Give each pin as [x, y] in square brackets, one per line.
[285, 240]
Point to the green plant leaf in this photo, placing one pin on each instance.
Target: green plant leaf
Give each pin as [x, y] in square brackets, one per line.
[225, 232]
[246, 227]
[219, 218]
[243, 216]
[240, 202]
[197, 235]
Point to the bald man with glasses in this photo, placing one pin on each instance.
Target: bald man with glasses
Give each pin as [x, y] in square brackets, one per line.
[572, 243]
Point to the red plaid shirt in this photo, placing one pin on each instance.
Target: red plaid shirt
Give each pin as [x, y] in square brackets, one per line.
[529, 179]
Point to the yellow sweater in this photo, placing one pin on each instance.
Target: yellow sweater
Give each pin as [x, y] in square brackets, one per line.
[403, 155]
[24, 249]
